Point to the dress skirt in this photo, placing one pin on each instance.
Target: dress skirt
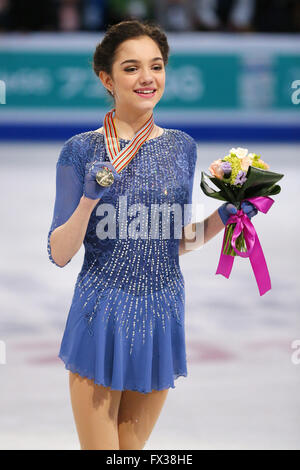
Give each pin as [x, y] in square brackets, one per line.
[127, 342]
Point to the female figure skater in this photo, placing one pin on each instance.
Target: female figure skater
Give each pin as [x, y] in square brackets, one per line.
[124, 340]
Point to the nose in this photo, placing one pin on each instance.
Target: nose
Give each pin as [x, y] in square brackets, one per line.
[146, 76]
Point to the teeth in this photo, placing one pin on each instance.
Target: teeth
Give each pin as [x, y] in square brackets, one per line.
[150, 91]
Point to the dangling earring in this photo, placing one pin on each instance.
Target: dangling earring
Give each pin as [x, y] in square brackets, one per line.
[112, 92]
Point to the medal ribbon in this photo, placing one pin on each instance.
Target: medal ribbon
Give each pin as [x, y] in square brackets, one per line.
[120, 158]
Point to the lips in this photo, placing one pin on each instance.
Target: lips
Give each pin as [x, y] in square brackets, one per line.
[145, 95]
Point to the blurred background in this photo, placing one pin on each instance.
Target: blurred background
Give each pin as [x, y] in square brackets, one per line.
[233, 79]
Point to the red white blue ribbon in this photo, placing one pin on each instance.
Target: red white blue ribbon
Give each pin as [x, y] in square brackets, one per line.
[120, 158]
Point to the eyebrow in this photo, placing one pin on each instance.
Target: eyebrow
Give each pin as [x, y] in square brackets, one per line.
[136, 61]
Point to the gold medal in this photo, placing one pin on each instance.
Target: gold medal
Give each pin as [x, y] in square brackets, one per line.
[105, 177]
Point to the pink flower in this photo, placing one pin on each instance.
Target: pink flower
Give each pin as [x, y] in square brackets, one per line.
[216, 170]
[266, 166]
[246, 162]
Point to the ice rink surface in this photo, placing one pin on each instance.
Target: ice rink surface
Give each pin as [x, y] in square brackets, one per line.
[242, 388]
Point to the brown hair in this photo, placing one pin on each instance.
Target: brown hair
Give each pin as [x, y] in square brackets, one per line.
[104, 54]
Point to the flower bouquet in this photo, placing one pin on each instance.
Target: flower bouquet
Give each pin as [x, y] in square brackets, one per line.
[242, 176]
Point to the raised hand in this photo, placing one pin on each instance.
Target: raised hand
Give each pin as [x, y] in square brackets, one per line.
[92, 189]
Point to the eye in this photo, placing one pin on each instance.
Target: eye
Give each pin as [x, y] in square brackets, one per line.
[131, 69]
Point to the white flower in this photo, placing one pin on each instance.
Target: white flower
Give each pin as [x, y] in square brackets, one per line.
[239, 152]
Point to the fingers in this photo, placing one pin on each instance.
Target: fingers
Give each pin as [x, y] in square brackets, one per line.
[227, 209]
[249, 208]
[231, 208]
[251, 214]
[93, 167]
[97, 165]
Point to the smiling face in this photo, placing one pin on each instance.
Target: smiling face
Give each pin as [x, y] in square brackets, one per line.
[138, 66]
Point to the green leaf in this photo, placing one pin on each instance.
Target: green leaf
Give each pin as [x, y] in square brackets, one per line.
[211, 192]
[262, 191]
[225, 187]
[273, 190]
[259, 181]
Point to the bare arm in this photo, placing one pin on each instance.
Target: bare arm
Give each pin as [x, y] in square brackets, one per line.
[67, 239]
[210, 227]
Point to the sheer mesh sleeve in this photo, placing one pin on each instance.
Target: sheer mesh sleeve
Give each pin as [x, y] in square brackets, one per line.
[69, 188]
[192, 165]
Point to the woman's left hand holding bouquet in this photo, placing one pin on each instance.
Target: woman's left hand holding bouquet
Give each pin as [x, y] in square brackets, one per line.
[227, 209]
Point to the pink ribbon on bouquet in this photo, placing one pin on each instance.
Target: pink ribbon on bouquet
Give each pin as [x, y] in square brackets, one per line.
[255, 252]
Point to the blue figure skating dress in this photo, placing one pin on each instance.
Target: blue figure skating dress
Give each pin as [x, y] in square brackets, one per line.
[125, 327]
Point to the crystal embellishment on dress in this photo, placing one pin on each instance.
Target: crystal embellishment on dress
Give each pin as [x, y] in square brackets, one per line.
[128, 306]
